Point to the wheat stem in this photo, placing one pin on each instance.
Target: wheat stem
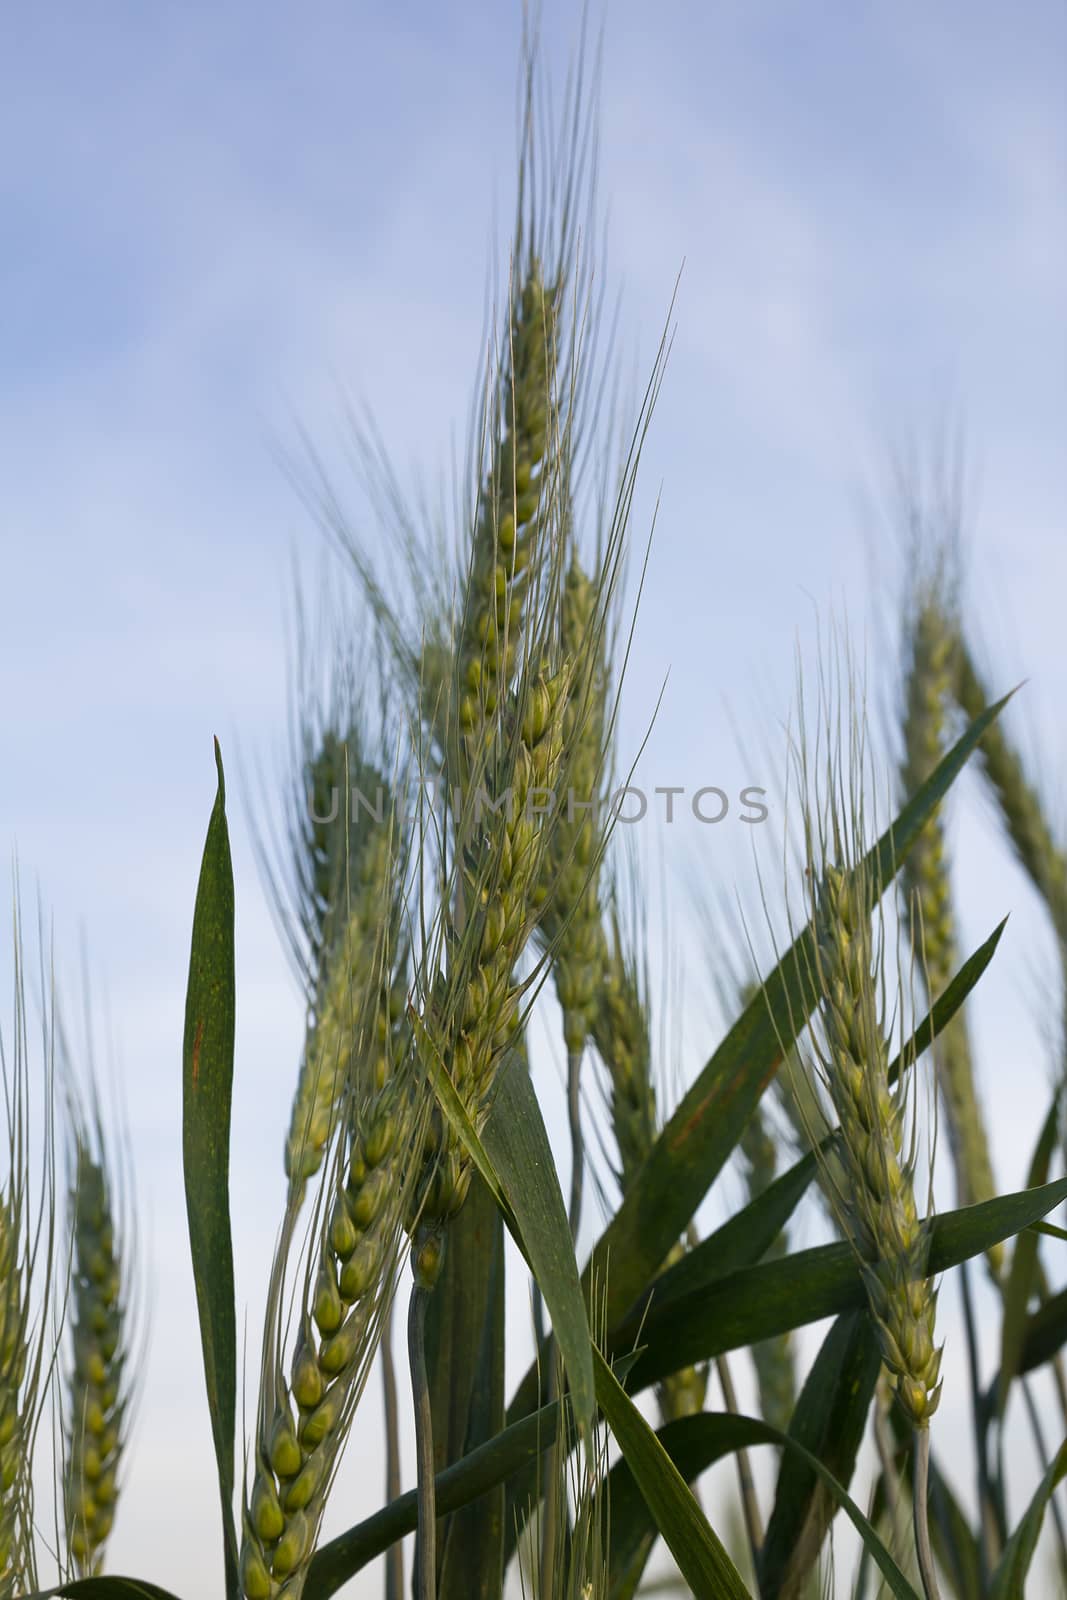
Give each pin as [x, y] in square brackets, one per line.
[988, 1530]
[426, 1538]
[574, 1118]
[394, 1559]
[745, 1480]
[920, 1483]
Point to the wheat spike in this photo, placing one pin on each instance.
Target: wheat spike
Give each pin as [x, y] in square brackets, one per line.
[877, 1210]
[98, 1385]
[511, 512]
[931, 666]
[14, 1356]
[472, 1016]
[304, 1419]
[569, 890]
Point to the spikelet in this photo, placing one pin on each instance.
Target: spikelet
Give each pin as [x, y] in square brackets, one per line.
[925, 877]
[98, 1386]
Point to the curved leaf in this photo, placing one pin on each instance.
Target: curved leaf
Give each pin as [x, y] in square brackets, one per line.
[829, 1420]
[774, 1297]
[1022, 1278]
[1045, 1333]
[514, 1157]
[954, 1541]
[517, 1144]
[1009, 1580]
[207, 1082]
[109, 1588]
[694, 1443]
[465, 1361]
[700, 1556]
[459, 1485]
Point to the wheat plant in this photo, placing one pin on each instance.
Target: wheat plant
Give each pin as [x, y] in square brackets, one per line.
[450, 888]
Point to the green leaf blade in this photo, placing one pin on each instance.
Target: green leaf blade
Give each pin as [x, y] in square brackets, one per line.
[774, 1297]
[1009, 1579]
[207, 1084]
[517, 1145]
[701, 1558]
[829, 1420]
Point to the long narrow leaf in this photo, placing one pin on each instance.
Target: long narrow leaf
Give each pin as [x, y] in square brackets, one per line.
[829, 1420]
[459, 1485]
[466, 1366]
[1045, 1333]
[701, 1558]
[694, 1443]
[109, 1588]
[1023, 1274]
[777, 1296]
[1009, 1580]
[207, 1089]
[518, 1147]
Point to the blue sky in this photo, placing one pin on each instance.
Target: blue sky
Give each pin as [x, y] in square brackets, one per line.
[218, 221]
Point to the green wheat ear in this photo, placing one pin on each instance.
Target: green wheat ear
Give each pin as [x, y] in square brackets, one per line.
[572, 923]
[98, 1383]
[27, 1268]
[364, 901]
[513, 506]
[359, 1115]
[14, 1356]
[874, 1195]
[931, 669]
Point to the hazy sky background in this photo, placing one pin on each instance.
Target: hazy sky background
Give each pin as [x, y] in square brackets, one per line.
[218, 220]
